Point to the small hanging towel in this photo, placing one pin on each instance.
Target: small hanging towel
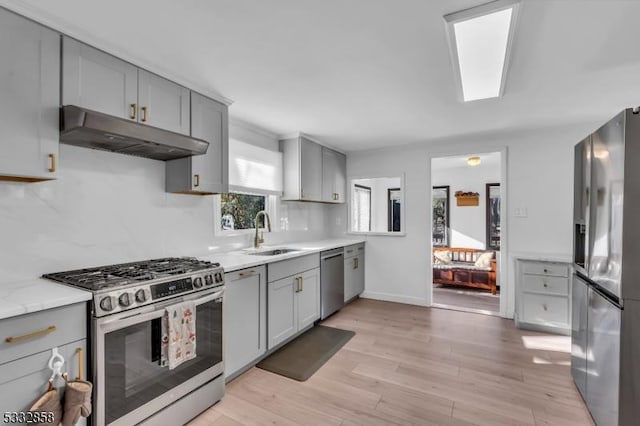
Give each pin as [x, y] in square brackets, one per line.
[179, 336]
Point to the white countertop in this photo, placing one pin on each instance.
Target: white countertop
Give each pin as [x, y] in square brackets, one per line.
[543, 257]
[22, 297]
[241, 259]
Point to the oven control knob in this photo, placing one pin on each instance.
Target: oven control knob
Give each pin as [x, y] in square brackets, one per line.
[141, 296]
[106, 303]
[197, 283]
[218, 277]
[124, 300]
[208, 279]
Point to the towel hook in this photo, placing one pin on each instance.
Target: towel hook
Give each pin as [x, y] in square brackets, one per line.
[55, 364]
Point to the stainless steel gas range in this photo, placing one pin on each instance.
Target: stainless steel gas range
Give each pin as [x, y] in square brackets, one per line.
[132, 382]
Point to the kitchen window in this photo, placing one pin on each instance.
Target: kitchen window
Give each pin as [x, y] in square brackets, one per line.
[255, 182]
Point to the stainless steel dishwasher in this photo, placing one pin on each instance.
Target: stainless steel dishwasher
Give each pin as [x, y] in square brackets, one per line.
[331, 281]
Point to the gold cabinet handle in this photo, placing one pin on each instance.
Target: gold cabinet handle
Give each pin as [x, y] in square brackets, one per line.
[80, 363]
[544, 307]
[297, 284]
[247, 273]
[301, 284]
[355, 263]
[196, 180]
[33, 335]
[52, 163]
[133, 110]
[145, 114]
[544, 284]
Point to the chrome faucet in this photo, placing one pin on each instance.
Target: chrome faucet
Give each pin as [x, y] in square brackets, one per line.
[259, 239]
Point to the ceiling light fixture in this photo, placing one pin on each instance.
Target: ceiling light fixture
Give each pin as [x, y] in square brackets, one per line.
[480, 40]
[473, 161]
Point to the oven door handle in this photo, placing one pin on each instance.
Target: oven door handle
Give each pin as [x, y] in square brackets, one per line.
[118, 323]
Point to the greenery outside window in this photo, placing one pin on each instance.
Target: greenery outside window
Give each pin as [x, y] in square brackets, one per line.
[235, 212]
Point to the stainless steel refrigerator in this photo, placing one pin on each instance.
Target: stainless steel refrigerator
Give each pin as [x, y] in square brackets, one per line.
[605, 353]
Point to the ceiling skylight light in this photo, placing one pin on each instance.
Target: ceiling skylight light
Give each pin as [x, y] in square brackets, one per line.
[480, 41]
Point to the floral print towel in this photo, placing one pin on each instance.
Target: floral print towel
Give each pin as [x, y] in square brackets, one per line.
[179, 334]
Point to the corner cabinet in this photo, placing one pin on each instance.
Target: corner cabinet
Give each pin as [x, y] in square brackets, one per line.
[100, 82]
[293, 299]
[207, 173]
[543, 296]
[353, 271]
[29, 105]
[245, 318]
[312, 172]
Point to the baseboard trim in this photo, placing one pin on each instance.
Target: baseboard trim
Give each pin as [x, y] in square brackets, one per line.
[387, 297]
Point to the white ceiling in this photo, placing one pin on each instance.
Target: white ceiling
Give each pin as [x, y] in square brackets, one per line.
[490, 159]
[363, 74]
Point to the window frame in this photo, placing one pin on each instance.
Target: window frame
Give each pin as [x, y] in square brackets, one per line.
[366, 188]
[270, 206]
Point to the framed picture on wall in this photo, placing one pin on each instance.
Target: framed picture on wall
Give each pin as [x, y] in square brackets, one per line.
[493, 216]
[440, 227]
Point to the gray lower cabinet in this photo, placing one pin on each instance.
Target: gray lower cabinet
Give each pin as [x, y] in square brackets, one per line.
[294, 304]
[30, 88]
[208, 173]
[543, 296]
[353, 271]
[245, 318]
[293, 297]
[26, 343]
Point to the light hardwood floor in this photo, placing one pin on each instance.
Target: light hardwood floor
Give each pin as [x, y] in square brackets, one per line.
[479, 300]
[409, 365]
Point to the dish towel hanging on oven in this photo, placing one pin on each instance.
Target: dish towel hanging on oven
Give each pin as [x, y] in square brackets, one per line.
[179, 334]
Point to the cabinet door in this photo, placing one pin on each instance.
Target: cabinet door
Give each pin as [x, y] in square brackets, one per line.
[29, 84]
[310, 170]
[359, 273]
[350, 268]
[333, 176]
[210, 121]
[282, 321]
[98, 81]
[244, 318]
[308, 298]
[163, 103]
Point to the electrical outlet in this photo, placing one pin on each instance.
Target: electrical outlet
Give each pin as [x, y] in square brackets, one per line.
[520, 212]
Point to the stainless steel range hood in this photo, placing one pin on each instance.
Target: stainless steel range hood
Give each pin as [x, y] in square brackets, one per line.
[91, 129]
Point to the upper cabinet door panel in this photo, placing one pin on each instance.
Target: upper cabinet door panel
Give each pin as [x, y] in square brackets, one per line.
[98, 81]
[30, 98]
[334, 180]
[209, 121]
[163, 103]
[311, 170]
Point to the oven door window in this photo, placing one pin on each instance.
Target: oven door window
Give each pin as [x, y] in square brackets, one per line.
[133, 373]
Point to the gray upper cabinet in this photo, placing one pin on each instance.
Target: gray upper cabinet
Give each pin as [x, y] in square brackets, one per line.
[98, 81]
[208, 173]
[163, 103]
[307, 178]
[334, 179]
[30, 88]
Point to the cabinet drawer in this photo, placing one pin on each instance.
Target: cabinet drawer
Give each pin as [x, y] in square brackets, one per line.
[229, 277]
[353, 250]
[545, 310]
[69, 322]
[25, 380]
[287, 268]
[544, 268]
[545, 284]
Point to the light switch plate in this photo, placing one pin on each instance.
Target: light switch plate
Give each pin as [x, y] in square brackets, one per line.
[520, 212]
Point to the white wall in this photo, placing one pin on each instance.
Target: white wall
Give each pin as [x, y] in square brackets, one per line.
[467, 223]
[107, 208]
[539, 178]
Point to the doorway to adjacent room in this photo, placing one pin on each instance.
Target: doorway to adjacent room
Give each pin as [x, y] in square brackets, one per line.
[467, 231]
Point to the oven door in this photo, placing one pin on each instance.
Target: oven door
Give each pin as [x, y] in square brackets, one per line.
[130, 383]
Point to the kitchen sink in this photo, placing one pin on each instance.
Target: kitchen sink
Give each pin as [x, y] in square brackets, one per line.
[273, 252]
